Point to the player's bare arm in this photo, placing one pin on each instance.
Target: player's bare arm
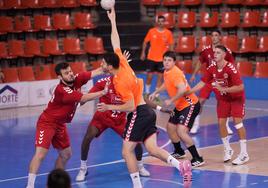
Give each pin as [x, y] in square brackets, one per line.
[197, 66]
[161, 88]
[232, 89]
[143, 51]
[128, 106]
[157, 107]
[92, 96]
[196, 88]
[181, 88]
[115, 40]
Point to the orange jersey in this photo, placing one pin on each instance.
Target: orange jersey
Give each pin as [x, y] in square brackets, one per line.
[126, 84]
[172, 79]
[159, 43]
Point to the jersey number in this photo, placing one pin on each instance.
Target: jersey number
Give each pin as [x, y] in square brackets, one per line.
[115, 113]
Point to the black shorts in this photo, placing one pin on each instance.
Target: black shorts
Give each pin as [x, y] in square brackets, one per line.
[153, 66]
[140, 124]
[186, 116]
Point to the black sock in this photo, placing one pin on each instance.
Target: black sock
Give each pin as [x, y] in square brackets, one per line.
[177, 148]
[193, 151]
[138, 152]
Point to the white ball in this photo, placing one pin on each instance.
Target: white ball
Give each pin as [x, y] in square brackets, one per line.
[107, 4]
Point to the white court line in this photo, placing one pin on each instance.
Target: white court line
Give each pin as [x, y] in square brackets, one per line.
[166, 181]
[247, 108]
[90, 166]
[249, 140]
[121, 160]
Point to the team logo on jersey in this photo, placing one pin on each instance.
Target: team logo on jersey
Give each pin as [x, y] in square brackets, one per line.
[68, 90]
[225, 75]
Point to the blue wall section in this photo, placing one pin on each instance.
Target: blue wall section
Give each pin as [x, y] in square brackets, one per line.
[256, 88]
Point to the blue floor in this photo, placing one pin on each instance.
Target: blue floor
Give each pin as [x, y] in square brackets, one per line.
[106, 168]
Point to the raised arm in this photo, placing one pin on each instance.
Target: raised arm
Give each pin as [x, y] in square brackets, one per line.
[197, 66]
[115, 40]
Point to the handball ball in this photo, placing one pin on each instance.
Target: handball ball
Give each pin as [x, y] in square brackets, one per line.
[107, 4]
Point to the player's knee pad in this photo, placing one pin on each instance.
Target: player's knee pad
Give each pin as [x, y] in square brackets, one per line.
[239, 125]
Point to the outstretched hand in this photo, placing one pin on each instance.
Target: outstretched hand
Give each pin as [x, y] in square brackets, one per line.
[166, 110]
[111, 14]
[126, 54]
[102, 107]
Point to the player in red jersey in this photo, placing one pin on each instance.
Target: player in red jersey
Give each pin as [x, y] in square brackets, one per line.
[115, 120]
[51, 125]
[229, 90]
[205, 59]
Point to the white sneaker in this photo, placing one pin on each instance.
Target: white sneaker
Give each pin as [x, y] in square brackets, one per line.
[228, 153]
[229, 130]
[81, 176]
[241, 159]
[194, 129]
[143, 172]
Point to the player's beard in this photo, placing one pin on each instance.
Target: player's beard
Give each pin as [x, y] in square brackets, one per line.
[69, 82]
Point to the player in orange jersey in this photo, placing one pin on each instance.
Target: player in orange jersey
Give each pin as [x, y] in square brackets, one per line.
[161, 40]
[185, 111]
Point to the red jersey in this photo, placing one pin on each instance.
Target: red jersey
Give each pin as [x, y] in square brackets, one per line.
[227, 77]
[110, 98]
[62, 106]
[207, 56]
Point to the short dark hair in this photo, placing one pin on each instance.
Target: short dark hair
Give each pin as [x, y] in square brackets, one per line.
[112, 59]
[161, 17]
[60, 67]
[216, 30]
[223, 48]
[170, 54]
[58, 178]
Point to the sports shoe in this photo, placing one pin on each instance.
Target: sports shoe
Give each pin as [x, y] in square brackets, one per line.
[195, 128]
[228, 153]
[177, 155]
[241, 159]
[197, 162]
[229, 130]
[143, 172]
[186, 172]
[81, 176]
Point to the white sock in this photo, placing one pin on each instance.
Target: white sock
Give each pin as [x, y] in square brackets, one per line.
[197, 121]
[227, 122]
[174, 162]
[140, 164]
[243, 146]
[83, 164]
[135, 177]
[147, 88]
[31, 180]
[226, 143]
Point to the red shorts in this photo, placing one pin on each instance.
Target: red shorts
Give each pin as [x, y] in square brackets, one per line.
[205, 91]
[108, 119]
[48, 132]
[232, 108]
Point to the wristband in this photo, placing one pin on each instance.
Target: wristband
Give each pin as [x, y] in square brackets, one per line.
[158, 108]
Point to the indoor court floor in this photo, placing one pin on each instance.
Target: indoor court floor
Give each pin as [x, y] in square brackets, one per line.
[105, 164]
